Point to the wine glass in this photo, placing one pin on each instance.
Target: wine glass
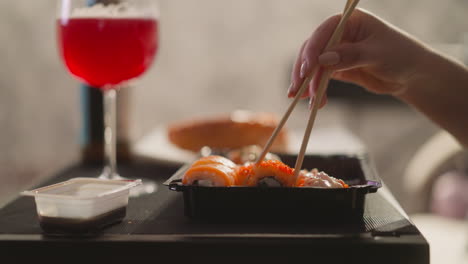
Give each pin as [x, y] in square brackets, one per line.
[106, 44]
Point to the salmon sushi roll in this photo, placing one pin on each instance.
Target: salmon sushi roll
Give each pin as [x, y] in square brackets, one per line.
[316, 179]
[210, 175]
[269, 173]
[215, 160]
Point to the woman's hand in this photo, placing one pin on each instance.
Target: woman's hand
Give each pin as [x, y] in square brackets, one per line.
[385, 60]
[372, 54]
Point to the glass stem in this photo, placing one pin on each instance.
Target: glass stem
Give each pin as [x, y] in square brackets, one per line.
[110, 129]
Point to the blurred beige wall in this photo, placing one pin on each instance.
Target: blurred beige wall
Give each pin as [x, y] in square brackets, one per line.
[215, 55]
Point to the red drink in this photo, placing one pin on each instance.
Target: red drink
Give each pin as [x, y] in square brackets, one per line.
[107, 51]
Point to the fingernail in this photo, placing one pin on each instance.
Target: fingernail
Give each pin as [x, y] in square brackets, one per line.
[329, 58]
[291, 90]
[311, 92]
[304, 69]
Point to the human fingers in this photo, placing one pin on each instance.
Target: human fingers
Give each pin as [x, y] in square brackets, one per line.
[295, 78]
[363, 79]
[348, 56]
[307, 59]
[313, 88]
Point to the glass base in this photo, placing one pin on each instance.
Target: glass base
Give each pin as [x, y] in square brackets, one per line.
[146, 187]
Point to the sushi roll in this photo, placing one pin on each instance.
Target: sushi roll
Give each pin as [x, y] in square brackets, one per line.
[213, 171]
[214, 160]
[269, 173]
[317, 179]
[213, 175]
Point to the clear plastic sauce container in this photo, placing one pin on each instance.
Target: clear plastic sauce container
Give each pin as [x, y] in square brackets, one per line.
[81, 205]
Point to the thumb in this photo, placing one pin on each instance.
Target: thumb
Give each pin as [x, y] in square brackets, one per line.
[346, 56]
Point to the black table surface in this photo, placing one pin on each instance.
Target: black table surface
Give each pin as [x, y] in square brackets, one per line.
[155, 228]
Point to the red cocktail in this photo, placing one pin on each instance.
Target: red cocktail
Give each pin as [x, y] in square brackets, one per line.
[104, 52]
[105, 43]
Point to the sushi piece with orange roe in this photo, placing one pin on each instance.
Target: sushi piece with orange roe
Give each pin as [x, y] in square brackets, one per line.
[269, 173]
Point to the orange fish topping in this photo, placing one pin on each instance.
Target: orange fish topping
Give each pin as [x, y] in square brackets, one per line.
[250, 174]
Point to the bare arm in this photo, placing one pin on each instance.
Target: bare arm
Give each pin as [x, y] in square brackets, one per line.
[441, 93]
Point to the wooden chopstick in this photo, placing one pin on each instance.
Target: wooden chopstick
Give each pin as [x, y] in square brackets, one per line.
[285, 118]
[293, 104]
[336, 37]
[348, 3]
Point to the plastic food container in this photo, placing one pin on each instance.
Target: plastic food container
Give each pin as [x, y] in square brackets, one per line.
[81, 205]
[286, 204]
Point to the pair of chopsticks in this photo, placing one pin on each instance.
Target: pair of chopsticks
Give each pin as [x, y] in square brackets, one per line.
[334, 40]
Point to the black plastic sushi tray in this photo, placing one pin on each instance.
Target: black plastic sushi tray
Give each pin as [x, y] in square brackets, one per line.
[285, 204]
